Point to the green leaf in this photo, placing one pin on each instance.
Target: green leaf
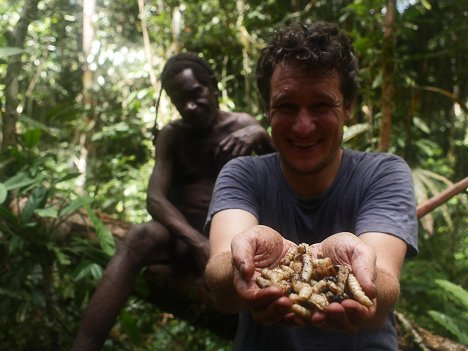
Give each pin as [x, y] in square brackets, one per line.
[455, 292]
[72, 207]
[89, 270]
[419, 123]
[6, 214]
[377, 81]
[36, 200]
[32, 137]
[450, 324]
[3, 193]
[68, 176]
[34, 124]
[22, 313]
[50, 212]
[132, 329]
[20, 180]
[354, 130]
[426, 4]
[62, 258]
[16, 244]
[13, 294]
[105, 238]
[10, 51]
[96, 271]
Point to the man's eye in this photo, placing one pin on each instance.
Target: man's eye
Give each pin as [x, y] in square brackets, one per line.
[196, 91]
[284, 110]
[284, 107]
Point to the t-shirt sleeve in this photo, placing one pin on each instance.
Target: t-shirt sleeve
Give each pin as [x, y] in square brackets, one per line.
[389, 204]
[234, 189]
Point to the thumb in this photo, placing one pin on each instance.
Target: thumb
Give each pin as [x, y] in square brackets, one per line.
[243, 257]
[364, 269]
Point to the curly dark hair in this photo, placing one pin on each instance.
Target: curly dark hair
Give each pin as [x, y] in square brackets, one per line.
[201, 69]
[320, 45]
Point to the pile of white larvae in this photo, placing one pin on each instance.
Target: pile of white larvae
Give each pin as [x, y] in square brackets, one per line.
[312, 284]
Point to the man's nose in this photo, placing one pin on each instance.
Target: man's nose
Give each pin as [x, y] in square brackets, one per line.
[304, 123]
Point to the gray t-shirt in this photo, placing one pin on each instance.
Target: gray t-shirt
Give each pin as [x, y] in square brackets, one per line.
[372, 192]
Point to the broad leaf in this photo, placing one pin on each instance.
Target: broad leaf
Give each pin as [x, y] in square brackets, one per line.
[10, 51]
[50, 212]
[105, 239]
[20, 180]
[450, 324]
[456, 292]
[35, 201]
[3, 193]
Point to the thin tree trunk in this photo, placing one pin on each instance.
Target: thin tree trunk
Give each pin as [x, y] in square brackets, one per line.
[149, 59]
[388, 67]
[89, 8]
[147, 44]
[15, 38]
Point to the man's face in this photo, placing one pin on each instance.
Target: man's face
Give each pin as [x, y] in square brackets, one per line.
[307, 115]
[195, 101]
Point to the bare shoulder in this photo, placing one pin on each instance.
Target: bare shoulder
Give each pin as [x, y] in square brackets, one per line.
[239, 118]
[174, 128]
[169, 134]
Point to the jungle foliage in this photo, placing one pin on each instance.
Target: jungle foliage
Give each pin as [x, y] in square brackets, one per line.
[78, 105]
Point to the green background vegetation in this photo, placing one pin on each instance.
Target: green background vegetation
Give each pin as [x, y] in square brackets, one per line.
[83, 115]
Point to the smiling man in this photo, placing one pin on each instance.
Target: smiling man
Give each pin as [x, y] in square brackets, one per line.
[356, 208]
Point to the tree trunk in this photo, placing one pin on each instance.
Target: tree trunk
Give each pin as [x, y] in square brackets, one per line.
[89, 102]
[388, 69]
[147, 44]
[149, 60]
[15, 38]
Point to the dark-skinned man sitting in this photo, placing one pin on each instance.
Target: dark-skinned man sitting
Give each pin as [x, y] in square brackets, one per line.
[190, 152]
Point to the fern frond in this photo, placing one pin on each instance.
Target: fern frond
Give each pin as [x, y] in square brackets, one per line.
[450, 324]
[455, 292]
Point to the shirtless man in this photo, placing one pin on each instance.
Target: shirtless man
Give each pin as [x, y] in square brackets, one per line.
[190, 152]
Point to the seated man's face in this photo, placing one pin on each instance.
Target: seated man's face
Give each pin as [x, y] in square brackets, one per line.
[196, 102]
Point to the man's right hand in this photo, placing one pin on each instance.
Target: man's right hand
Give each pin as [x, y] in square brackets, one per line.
[252, 250]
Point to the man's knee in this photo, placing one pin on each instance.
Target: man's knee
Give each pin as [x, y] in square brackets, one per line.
[145, 240]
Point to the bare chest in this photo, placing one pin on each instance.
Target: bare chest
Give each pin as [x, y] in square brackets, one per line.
[198, 158]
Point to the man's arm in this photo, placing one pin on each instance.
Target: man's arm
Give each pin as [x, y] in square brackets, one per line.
[388, 264]
[219, 271]
[240, 249]
[158, 204]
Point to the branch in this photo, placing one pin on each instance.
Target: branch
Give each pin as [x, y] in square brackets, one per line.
[28, 14]
[434, 202]
[409, 329]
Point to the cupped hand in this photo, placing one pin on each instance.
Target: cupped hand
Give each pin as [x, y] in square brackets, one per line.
[252, 250]
[347, 248]
[349, 315]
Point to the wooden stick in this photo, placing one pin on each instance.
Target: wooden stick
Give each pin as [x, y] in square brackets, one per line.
[429, 205]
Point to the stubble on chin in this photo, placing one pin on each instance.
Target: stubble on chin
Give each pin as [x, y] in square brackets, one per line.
[314, 169]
